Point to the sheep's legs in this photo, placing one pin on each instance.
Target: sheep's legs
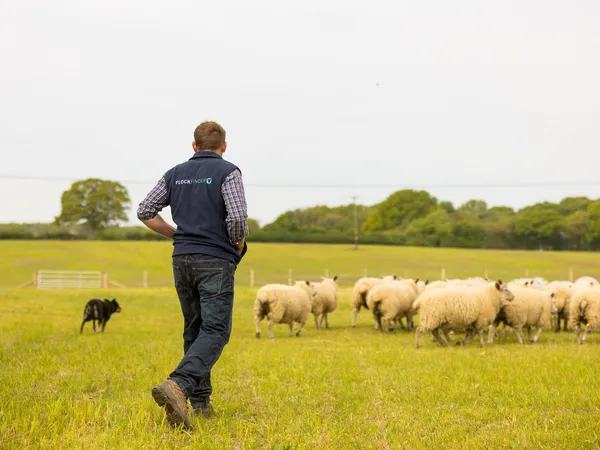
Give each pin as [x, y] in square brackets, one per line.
[384, 325]
[271, 323]
[299, 332]
[354, 314]
[325, 320]
[537, 334]
[481, 343]
[447, 334]
[291, 325]
[257, 324]
[317, 322]
[418, 337]
[436, 335]
[519, 334]
[491, 334]
[581, 339]
[470, 333]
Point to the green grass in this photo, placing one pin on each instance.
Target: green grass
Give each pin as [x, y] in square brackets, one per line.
[336, 388]
[126, 261]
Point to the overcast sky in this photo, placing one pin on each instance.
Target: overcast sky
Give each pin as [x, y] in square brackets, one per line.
[401, 93]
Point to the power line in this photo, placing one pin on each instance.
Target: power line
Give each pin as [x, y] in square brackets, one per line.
[345, 186]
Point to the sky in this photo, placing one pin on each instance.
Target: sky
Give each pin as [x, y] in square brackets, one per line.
[372, 96]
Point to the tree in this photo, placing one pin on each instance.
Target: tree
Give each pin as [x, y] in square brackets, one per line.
[399, 209]
[434, 230]
[476, 208]
[571, 204]
[253, 225]
[94, 203]
[447, 206]
[577, 226]
[540, 225]
[593, 234]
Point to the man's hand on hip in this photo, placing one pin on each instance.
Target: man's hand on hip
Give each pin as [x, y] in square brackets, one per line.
[240, 246]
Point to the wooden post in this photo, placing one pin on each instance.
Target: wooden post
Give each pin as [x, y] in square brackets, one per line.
[251, 277]
[34, 279]
[443, 275]
[290, 277]
[486, 275]
[105, 280]
[571, 275]
[145, 279]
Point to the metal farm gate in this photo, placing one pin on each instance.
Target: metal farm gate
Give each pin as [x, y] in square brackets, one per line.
[69, 279]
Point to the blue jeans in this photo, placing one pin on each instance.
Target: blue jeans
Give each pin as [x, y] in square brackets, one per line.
[204, 285]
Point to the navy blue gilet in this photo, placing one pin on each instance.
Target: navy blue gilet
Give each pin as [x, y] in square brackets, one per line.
[198, 208]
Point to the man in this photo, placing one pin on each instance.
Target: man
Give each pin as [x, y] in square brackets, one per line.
[208, 204]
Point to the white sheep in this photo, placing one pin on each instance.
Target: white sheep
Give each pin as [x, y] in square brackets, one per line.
[283, 304]
[391, 301]
[529, 308]
[360, 291]
[586, 283]
[324, 301]
[563, 291]
[585, 310]
[460, 307]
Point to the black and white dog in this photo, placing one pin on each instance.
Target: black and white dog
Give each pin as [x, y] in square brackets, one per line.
[99, 310]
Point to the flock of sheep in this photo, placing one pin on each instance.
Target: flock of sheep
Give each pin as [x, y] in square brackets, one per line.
[469, 306]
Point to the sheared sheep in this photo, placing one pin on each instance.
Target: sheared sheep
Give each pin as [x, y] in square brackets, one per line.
[283, 304]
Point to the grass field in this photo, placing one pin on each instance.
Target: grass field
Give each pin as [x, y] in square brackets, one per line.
[125, 261]
[336, 388]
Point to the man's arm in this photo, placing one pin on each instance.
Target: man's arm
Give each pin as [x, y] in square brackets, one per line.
[237, 210]
[155, 201]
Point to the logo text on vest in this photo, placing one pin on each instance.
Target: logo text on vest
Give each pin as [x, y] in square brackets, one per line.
[195, 181]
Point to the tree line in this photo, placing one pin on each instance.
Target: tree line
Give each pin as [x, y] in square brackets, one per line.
[93, 209]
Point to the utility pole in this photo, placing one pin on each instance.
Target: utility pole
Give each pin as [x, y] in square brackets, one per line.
[355, 223]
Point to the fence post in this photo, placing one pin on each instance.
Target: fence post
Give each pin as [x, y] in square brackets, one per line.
[486, 275]
[290, 277]
[571, 275]
[251, 277]
[34, 279]
[105, 280]
[145, 279]
[443, 274]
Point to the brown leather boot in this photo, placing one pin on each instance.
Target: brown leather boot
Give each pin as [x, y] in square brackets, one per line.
[171, 397]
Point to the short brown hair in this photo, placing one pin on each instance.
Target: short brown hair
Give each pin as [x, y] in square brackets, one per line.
[209, 136]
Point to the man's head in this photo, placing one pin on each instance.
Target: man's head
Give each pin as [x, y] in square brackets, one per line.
[209, 136]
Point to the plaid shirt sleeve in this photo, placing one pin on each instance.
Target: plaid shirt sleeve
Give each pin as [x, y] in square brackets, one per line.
[155, 201]
[237, 210]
